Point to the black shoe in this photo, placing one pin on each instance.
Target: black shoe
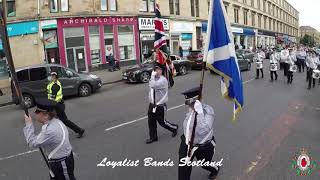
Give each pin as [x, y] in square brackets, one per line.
[309, 88]
[80, 134]
[257, 77]
[175, 132]
[213, 175]
[149, 141]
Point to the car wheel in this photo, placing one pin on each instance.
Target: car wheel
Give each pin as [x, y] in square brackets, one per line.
[85, 90]
[144, 77]
[183, 70]
[28, 101]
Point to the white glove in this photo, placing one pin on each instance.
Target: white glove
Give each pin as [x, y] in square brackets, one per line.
[153, 74]
[198, 107]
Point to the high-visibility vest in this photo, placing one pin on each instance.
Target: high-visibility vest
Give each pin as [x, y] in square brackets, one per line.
[59, 96]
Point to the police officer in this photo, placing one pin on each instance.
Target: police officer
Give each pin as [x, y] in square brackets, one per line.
[54, 90]
[158, 97]
[53, 138]
[204, 142]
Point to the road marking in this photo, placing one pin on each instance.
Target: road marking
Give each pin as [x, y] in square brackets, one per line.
[20, 154]
[246, 82]
[140, 119]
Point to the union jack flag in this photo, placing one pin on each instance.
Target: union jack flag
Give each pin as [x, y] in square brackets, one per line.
[160, 44]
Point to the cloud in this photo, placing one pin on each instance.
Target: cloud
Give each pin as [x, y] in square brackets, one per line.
[308, 9]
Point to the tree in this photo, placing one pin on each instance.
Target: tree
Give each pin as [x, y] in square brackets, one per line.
[307, 40]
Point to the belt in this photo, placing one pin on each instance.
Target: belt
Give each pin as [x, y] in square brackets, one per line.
[162, 105]
[59, 159]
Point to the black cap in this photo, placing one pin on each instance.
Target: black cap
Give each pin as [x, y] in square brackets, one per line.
[158, 65]
[45, 105]
[191, 95]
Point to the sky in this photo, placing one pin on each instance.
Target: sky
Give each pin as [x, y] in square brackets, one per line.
[309, 12]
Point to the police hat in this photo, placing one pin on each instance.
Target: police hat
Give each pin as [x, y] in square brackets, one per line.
[54, 73]
[191, 95]
[45, 105]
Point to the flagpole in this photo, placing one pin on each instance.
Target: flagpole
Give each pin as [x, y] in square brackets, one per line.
[14, 79]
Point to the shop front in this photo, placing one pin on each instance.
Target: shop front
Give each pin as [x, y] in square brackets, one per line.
[182, 37]
[266, 39]
[147, 35]
[86, 43]
[50, 41]
[244, 38]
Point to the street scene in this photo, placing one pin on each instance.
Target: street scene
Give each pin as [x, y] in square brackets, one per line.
[168, 89]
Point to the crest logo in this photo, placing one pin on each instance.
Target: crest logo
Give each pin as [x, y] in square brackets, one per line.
[303, 163]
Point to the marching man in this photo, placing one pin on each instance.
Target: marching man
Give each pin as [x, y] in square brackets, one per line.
[259, 56]
[274, 57]
[311, 66]
[204, 142]
[292, 67]
[158, 97]
[284, 61]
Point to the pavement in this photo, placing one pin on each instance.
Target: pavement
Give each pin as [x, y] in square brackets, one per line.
[106, 76]
[278, 120]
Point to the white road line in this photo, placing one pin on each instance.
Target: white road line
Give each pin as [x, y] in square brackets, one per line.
[246, 82]
[140, 119]
[20, 154]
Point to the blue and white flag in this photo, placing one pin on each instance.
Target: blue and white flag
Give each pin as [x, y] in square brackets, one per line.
[221, 57]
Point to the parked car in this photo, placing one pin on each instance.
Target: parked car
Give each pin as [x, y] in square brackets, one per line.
[33, 81]
[247, 53]
[142, 73]
[196, 58]
[244, 64]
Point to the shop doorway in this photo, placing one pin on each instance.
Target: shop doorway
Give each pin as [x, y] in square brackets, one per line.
[76, 59]
[53, 56]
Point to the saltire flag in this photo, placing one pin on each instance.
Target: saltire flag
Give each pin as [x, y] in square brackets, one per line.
[220, 55]
[160, 45]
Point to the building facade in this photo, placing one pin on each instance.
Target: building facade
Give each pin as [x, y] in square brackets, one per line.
[308, 30]
[81, 34]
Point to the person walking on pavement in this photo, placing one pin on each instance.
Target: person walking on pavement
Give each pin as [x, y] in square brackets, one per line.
[55, 93]
[53, 138]
[204, 142]
[259, 56]
[158, 98]
[273, 65]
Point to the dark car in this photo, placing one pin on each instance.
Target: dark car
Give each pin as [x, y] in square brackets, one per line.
[247, 53]
[33, 81]
[196, 58]
[244, 64]
[142, 73]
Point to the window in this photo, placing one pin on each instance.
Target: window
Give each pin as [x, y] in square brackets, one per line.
[236, 15]
[11, 8]
[244, 1]
[259, 5]
[253, 19]
[147, 6]
[171, 6]
[197, 8]
[226, 7]
[259, 21]
[270, 24]
[37, 74]
[54, 6]
[252, 3]
[59, 70]
[94, 41]
[192, 7]
[108, 40]
[265, 22]
[264, 6]
[4, 70]
[126, 42]
[103, 5]
[177, 6]
[23, 75]
[113, 5]
[245, 17]
[64, 5]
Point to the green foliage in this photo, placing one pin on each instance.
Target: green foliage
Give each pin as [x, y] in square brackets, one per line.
[308, 40]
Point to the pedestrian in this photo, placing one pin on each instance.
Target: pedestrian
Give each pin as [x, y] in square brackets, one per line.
[259, 56]
[304, 58]
[273, 65]
[284, 61]
[55, 93]
[311, 65]
[53, 138]
[204, 142]
[292, 67]
[180, 51]
[158, 98]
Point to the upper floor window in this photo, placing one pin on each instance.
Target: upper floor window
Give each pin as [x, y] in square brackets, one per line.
[197, 8]
[11, 8]
[147, 6]
[244, 1]
[236, 15]
[245, 17]
[111, 4]
[54, 5]
[253, 19]
[264, 6]
[252, 3]
[259, 4]
[192, 7]
[174, 5]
